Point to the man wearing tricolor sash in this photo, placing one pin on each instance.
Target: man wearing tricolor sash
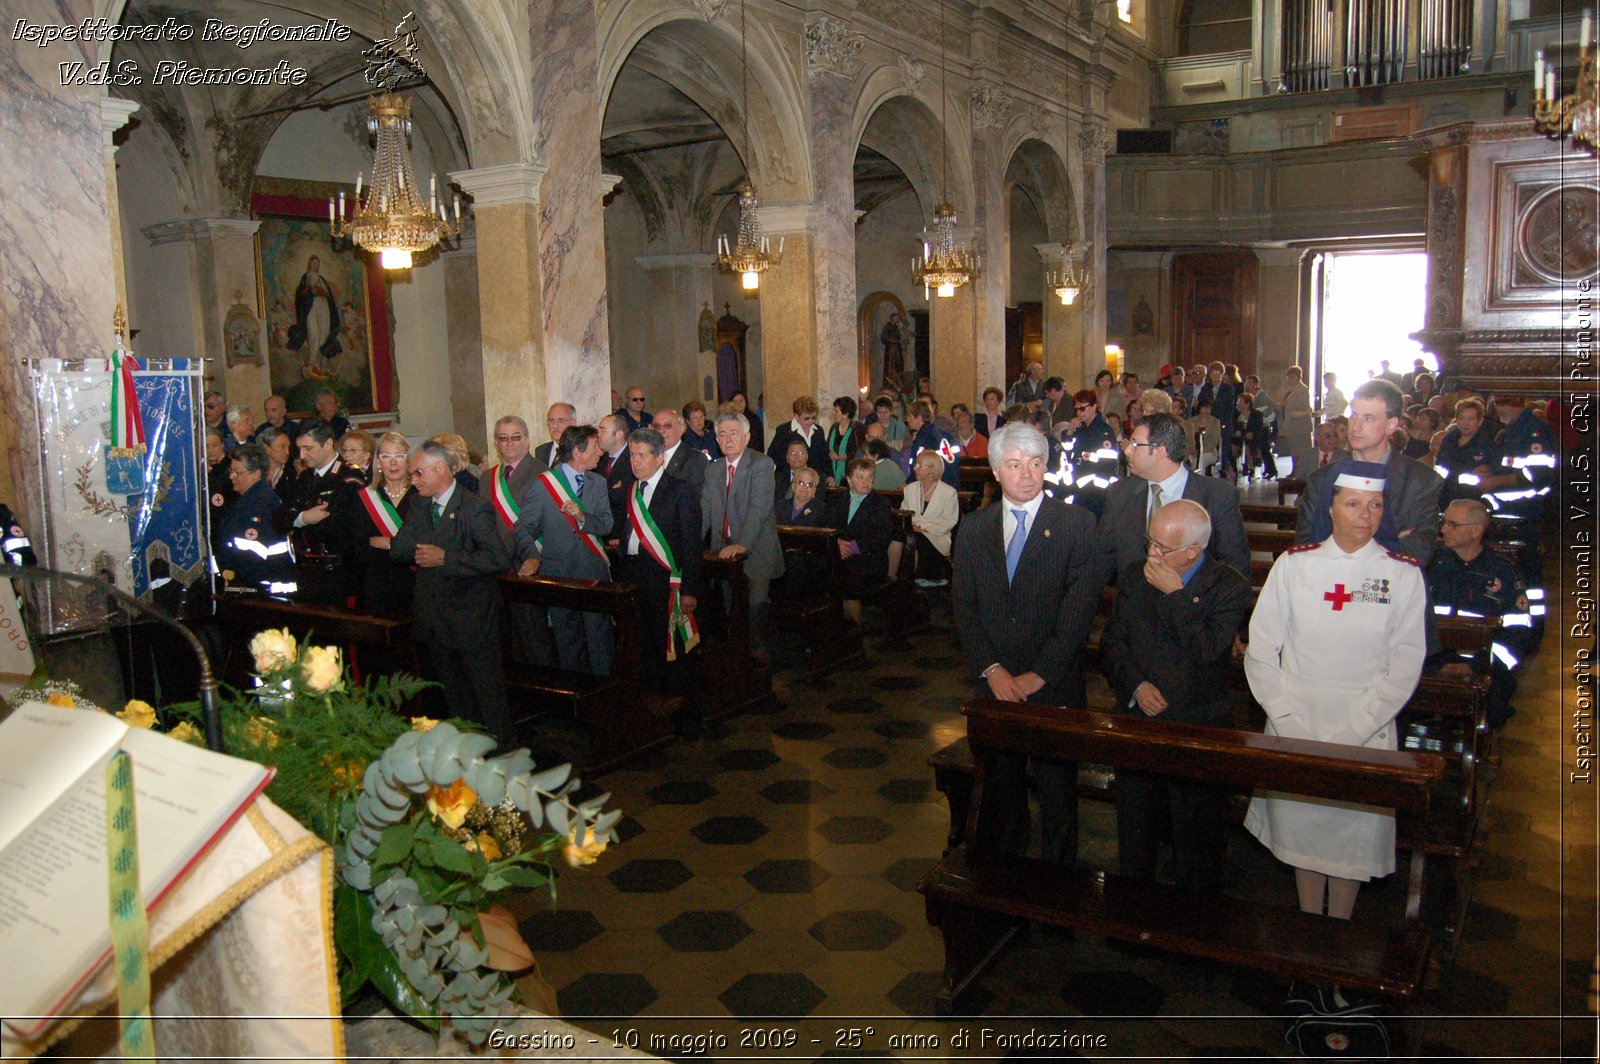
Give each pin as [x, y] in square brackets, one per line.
[660, 550]
[562, 517]
[503, 487]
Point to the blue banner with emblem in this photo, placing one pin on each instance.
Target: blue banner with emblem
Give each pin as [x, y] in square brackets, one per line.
[167, 522]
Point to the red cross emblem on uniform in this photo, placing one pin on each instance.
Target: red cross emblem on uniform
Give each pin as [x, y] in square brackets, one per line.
[1338, 596]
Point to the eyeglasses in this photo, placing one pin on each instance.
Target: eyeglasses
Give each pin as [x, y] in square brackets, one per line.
[1150, 544]
[1446, 522]
[1132, 445]
[352, 450]
[390, 457]
[1081, 409]
[510, 439]
[635, 398]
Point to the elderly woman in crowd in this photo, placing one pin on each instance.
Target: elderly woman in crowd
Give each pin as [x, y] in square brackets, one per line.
[697, 433]
[219, 485]
[356, 448]
[991, 416]
[935, 508]
[1336, 648]
[1105, 392]
[241, 424]
[868, 525]
[460, 459]
[382, 587]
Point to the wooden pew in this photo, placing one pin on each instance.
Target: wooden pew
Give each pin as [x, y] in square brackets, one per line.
[1288, 486]
[977, 478]
[620, 718]
[830, 641]
[740, 681]
[243, 615]
[1267, 514]
[978, 898]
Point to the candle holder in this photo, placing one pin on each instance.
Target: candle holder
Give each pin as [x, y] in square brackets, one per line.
[1576, 115]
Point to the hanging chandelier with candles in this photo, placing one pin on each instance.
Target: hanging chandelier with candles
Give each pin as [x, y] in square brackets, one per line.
[750, 255]
[946, 263]
[393, 222]
[1069, 278]
[1577, 115]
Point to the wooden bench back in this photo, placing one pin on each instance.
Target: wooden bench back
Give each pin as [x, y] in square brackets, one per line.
[1399, 780]
[617, 601]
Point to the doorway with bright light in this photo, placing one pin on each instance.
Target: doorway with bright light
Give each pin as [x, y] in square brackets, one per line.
[1365, 305]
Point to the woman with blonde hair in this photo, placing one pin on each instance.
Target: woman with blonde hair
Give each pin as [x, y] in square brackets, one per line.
[935, 508]
[460, 459]
[381, 586]
[355, 449]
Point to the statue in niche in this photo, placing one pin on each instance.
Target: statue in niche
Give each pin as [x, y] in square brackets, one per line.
[708, 328]
[894, 348]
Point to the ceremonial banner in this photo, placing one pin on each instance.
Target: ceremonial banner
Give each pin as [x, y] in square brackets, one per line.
[16, 655]
[88, 527]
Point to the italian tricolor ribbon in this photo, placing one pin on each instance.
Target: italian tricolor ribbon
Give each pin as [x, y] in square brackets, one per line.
[505, 503]
[653, 543]
[556, 484]
[127, 426]
[380, 509]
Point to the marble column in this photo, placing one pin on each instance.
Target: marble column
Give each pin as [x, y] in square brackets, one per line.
[222, 272]
[990, 238]
[114, 114]
[1093, 142]
[464, 337]
[55, 247]
[566, 112]
[952, 340]
[679, 285]
[511, 297]
[1063, 327]
[1278, 322]
[790, 311]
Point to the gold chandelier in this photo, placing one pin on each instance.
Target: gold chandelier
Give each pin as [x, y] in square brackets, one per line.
[1577, 115]
[1068, 279]
[946, 263]
[393, 221]
[751, 253]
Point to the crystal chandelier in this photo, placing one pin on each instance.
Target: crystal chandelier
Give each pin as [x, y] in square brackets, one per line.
[751, 254]
[393, 221]
[1068, 279]
[946, 264]
[1578, 114]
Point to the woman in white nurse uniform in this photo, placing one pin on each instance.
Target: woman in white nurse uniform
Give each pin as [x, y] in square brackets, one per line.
[1336, 648]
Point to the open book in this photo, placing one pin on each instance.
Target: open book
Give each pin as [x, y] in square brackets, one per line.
[55, 927]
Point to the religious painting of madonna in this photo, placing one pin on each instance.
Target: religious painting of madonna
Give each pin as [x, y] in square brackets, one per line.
[325, 301]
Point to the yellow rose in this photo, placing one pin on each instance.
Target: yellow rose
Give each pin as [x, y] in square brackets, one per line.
[345, 773]
[451, 804]
[187, 733]
[64, 701]
[587, 854]
[321, 668]
[488, 847]
[273, 649]
[260, 732]
[423, 724]
[138, 714]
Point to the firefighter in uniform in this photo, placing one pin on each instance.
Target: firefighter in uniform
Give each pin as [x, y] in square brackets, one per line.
[1467, 457]
[1528, 461]
[1469, 580]
[1092, 454]
[249, 548]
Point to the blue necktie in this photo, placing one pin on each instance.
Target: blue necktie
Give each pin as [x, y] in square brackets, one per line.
[577, 483]
[1019, 539]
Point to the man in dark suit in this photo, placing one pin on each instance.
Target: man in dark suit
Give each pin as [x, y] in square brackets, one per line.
[1027, 580]
[614, 448]
[317, 514]
[451, 537]
[674, 512]
[277, 411]
[1324, 452]
[502, 487]
[559, 419]
[739, 516]
[564, 514]
[1156, 451]
[686, 463]
[1167, 652]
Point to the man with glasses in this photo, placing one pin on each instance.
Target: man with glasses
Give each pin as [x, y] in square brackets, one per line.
[1166, 652]
[1155, 453]
[450, 536]
[503, 488]
[633, 412]
[686, 463]
[1466, 579]
[560, 418]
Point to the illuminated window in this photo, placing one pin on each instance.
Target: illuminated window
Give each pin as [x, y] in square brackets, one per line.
[1371, 302]
[1125, 11]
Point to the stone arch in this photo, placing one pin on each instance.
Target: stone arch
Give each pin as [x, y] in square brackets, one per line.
[903, 126]
[700, 59]
[1036, 169]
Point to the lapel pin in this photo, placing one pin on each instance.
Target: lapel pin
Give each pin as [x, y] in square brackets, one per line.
[1047, 533]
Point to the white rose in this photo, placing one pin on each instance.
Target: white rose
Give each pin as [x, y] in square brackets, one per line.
[321, 668]
[273, 649]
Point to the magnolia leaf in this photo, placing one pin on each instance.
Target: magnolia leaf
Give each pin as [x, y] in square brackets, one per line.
[393, 985]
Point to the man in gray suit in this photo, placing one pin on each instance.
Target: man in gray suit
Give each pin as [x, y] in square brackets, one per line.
[565, 514]
[451, 538]
[685, 463]
[736, 508]
[1325, 453]
[1155, 453]
[530, 631]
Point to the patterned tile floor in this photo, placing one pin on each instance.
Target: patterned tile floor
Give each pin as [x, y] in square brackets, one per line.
[768, 870]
